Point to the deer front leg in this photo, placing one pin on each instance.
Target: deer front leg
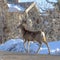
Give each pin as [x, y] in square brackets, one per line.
[25, 46]
[28, 46]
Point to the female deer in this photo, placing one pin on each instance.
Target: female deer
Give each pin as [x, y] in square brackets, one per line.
[38, 36]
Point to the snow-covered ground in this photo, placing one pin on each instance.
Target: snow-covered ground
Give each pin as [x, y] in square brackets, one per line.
[39, 3]
[16, 45]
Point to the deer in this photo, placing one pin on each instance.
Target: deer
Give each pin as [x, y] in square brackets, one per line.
[35, 36]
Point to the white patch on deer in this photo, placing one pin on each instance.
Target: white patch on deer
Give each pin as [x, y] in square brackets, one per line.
[43, 34]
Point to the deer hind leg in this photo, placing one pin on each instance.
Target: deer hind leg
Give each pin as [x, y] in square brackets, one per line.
[40, 44]
[47, 47]
[44, 40]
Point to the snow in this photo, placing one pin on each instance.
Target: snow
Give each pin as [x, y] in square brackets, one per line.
[41, 4]
[14, 7]
[17, 45]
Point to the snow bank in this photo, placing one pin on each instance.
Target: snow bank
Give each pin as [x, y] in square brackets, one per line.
[16, 45]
